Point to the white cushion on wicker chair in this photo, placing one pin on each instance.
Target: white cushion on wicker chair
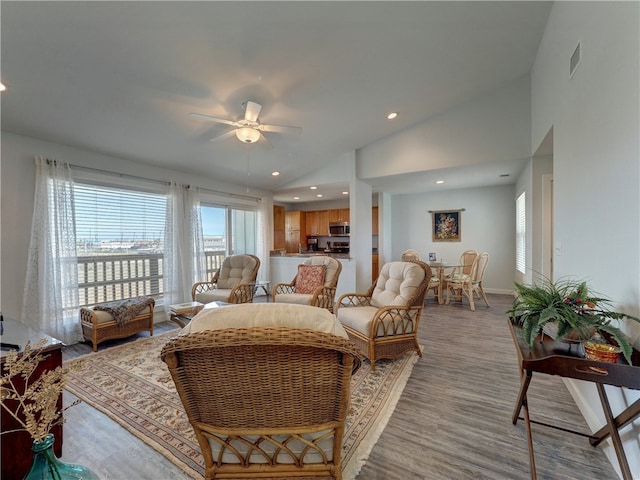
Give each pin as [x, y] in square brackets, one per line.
[249, 315]
[236, 270]
[358, 318]
[217, 295]
[396, 283]
[295, 298]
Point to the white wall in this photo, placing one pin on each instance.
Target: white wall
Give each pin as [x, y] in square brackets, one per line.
[17, 189]
[487, 225]
[595, 118]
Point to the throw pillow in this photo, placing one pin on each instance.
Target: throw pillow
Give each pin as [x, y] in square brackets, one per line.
[309, 278]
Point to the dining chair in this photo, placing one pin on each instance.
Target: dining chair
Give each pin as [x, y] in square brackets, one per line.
[470, 285]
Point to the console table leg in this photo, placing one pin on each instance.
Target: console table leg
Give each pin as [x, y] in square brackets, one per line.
[621, 420]
[520, 404]
[522, 396]
[527, 423]
[613, 431]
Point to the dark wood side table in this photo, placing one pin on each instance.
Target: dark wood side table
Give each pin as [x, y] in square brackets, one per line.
[15, 447]
[560, 358]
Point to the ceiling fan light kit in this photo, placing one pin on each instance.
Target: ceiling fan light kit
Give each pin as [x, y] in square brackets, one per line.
[248, 135]
[247, 130]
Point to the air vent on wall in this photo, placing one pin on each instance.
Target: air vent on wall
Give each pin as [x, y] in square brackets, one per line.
[575, 60]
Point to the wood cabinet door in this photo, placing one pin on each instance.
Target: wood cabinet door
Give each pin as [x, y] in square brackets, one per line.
[293, 241]
[339, 215]
[279, 239]
[278, 217]
[278, 227]
[374, 220]
[374, 266]
[311, 219]
[291, 220]
[323, 222]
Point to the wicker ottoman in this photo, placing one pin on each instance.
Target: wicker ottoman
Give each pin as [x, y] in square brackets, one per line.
[98, 326]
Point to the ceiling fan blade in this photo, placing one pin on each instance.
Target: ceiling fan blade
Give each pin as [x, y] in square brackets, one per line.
[280, 129]
[222, 137]
[213, 119]
[266, 140]
[252, 111]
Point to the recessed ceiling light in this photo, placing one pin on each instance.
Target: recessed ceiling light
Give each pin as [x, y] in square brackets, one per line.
[313, 188]
[392, 115]
[345, 193]
[439, 182]
[275, 174]
[2, 87]
[319, 195]
[296, 198]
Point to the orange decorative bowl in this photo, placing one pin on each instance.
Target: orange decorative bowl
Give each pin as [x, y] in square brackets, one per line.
[601, 352]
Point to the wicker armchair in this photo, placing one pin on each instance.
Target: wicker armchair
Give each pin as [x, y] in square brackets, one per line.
[322, 296]
[233, 283]
[265, 401]
[383, 323]
[470, 285]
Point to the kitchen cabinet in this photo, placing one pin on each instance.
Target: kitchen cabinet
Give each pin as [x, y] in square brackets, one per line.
[339, 215]
[295, 231]
[278, 228]
[374, 220]
[317, 222]
[295, 220]
[374, 266]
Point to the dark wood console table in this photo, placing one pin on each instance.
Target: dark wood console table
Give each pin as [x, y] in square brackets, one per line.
[16, 446]
[560, 358]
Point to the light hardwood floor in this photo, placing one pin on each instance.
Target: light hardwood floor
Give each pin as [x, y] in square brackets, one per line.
[453, 420]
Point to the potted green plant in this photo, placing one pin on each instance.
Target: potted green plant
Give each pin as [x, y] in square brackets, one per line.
[567, 305]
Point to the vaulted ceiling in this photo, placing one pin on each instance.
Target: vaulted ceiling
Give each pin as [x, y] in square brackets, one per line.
[121, 78]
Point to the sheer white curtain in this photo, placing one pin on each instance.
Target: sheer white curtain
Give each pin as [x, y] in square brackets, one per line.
[50, 299]
[184, 260]
[265, 237]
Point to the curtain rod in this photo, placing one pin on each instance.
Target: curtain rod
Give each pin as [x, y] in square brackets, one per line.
[161, 182]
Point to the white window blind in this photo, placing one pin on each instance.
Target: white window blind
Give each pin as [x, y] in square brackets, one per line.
[521, 230]
[120, 240]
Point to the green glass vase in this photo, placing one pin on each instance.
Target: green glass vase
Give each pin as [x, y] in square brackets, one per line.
[46, 466]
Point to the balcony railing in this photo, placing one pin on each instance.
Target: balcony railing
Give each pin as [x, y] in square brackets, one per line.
[108, 278]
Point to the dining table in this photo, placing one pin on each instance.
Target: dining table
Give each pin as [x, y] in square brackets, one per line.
[441, 269]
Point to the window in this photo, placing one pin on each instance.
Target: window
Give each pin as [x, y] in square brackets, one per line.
[227, 230]
[521, 230]
[120, 242]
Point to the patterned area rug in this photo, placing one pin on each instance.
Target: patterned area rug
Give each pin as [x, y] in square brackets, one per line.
[131, 385]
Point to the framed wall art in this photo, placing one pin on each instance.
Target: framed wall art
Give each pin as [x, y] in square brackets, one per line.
[446, 225]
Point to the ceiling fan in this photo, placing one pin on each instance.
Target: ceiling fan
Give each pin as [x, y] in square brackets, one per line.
[249, 129]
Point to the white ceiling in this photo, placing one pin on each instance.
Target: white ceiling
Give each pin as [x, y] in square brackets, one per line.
[120, 78]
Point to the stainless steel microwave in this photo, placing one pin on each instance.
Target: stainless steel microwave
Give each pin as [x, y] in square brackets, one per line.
[339, 229]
